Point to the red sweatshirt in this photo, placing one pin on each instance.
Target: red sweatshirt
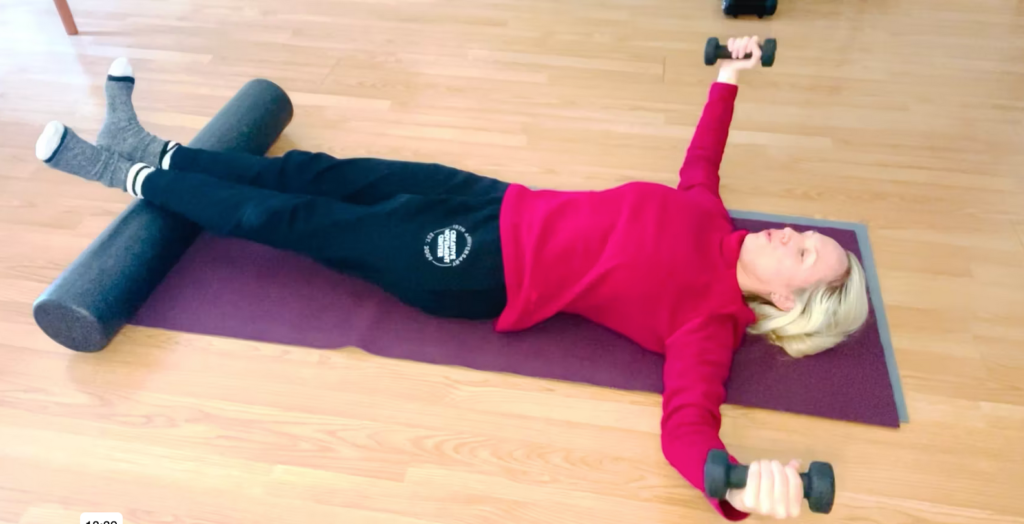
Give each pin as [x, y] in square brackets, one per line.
[653, 263]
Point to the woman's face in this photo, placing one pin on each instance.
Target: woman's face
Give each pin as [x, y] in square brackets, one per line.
[785, 262]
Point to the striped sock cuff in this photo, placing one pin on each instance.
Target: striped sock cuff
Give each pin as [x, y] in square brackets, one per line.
[129, 79]
[137, 173]
[165, 155]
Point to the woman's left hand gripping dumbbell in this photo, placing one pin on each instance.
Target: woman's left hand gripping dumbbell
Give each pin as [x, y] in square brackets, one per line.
[773, 490]
[740, 47]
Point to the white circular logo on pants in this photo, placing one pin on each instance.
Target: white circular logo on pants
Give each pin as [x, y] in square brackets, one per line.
[448, 247]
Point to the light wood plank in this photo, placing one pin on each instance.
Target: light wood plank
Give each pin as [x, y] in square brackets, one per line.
[905, 116]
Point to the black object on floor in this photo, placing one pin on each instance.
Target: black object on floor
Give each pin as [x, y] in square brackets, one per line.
[104, 287]
[720, 475]
[714, 50]
[759, 8]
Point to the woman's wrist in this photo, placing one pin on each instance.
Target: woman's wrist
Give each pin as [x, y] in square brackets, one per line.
[728, 76]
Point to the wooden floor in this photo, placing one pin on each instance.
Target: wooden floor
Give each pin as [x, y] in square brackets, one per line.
[905, 115]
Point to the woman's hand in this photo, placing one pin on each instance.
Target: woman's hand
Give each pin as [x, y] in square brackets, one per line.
[772, 490]
[739, 47]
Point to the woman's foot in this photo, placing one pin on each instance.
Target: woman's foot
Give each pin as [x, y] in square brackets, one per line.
[63, 150]
[121, 132]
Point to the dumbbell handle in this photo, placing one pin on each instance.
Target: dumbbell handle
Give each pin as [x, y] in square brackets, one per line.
[737, 478]
[722, 53]
[714, 51]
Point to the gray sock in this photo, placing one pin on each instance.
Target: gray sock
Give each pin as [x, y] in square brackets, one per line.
[121, 132]
[65, 151]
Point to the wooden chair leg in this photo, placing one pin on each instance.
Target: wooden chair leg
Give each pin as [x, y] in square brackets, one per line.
[66, 17]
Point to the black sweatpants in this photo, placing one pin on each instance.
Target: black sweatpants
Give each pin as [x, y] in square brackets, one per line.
[426, 233]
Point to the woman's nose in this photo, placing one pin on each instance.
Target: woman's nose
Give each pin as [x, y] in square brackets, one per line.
[786, 235]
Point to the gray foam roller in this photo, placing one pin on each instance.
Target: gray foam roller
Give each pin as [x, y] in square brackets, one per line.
[103, 288]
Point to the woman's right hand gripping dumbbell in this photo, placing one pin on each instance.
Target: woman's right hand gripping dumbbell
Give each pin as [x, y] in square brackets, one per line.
[773, 490]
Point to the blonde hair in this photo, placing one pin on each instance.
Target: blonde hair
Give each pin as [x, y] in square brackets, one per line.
[821, 317]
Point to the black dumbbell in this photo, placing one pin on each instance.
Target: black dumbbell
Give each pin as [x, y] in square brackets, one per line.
[720, 475]
[714, 50]
[761, 8]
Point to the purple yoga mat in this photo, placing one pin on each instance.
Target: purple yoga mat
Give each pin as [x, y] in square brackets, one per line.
[235, 288]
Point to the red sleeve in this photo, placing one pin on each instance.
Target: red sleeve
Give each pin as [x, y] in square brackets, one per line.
[697, 363]
[704, 156]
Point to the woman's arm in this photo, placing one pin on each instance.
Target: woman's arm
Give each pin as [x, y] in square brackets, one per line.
[707, 146]
[704, 156]
[697, 363]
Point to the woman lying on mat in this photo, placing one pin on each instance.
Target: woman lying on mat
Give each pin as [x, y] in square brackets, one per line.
[663, 266]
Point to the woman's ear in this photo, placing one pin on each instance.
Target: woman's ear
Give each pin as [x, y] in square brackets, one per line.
[783, 301]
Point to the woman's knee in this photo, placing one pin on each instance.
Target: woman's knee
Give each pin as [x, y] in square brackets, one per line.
[306, 161]
[265, 221]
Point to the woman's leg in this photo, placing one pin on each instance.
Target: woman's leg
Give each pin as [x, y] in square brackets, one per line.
[441, 254]
[359, 181]
[364, 181]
